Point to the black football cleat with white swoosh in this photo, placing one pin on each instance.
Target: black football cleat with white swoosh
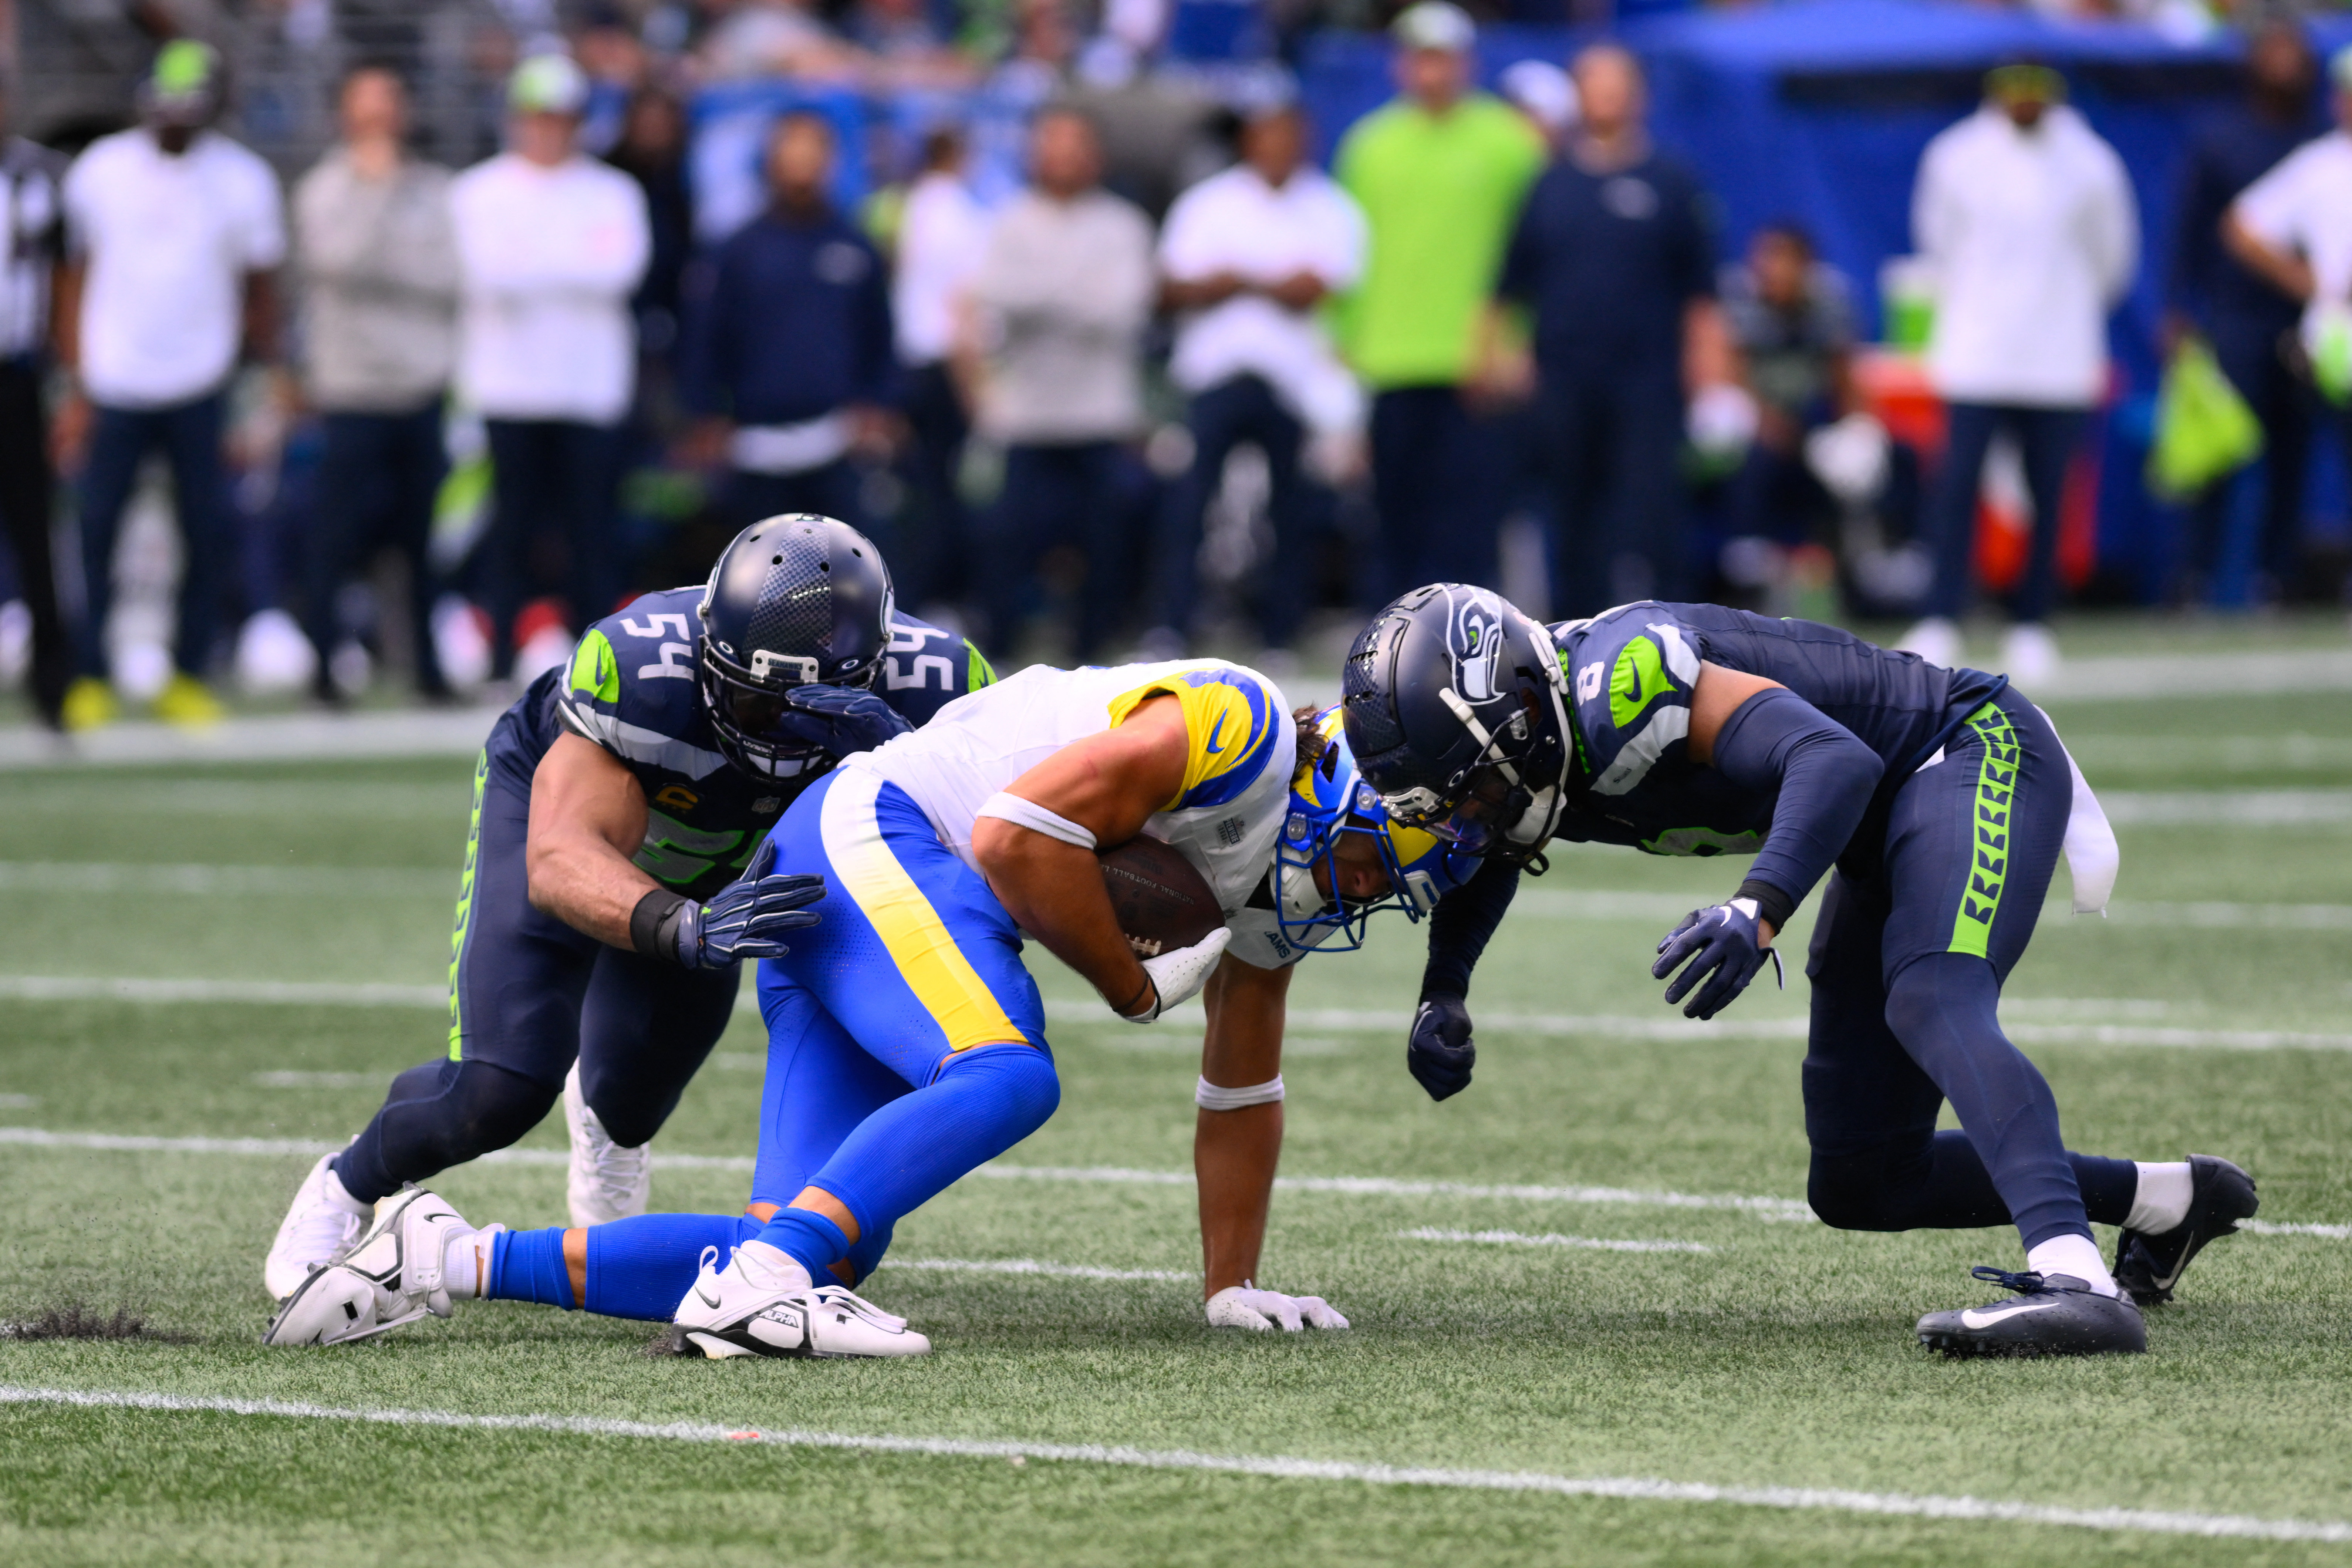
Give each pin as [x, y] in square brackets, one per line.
[2053, 1314]
[2221, 1194]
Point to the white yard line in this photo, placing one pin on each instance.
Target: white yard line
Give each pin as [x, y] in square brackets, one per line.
[1629, 1488]
[298, 992]
[2227, 808]
[1395, 1187]
[1030, 1265]
[376, 1081]
[201, 880]
[1519, 1238]
[457, 731]
[1765, 1208]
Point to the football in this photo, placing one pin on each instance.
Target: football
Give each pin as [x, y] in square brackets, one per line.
[1161, 902]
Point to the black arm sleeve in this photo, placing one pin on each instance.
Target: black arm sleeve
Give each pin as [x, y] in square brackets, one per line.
[1460, 925]
[1825, 776]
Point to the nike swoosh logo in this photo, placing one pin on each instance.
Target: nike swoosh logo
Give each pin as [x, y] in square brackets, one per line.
[1985, 1317]
[1214, 731]
[707, 1299]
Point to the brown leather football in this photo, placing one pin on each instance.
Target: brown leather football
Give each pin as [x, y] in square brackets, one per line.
[1161, 902]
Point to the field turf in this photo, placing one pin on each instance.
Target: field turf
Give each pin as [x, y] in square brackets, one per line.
[1781, 1358]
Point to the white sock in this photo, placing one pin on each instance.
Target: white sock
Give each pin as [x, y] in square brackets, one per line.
[2161, 1203]
[770, 1267]
[335, 1193]
[462, 1265]
[2076, 1254]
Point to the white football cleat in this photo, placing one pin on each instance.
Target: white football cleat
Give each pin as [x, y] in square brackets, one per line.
[609, 1181]
[1937, 640]
[2029, 656]
[391, 1276]
[324, 1219]
[760, 1306]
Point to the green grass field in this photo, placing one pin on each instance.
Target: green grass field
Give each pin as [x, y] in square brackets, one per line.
[1780, 1359]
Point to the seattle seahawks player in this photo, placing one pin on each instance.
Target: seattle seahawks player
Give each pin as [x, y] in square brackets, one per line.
[1941, 798]
[906, 1040]
[600, 920]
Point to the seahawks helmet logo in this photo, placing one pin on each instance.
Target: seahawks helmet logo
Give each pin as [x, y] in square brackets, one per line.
[1476, 645]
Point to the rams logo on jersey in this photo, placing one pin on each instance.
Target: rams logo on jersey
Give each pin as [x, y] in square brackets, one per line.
[1230, 721]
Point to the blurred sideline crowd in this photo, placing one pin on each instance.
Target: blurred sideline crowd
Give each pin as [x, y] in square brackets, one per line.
[438, 420]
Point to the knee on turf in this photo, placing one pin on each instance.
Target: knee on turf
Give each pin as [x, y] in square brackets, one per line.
[1857, 1191]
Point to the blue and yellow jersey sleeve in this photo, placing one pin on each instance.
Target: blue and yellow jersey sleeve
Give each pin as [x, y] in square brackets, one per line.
[1630, 675]
[927, 666]
[1232, 727]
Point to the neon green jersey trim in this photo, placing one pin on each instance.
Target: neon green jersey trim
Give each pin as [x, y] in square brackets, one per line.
[1996, 791]
[1639, 678]
[979, 672]
[595, 670]
[466, 903]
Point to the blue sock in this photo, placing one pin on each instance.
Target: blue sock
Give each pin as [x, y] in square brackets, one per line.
[528, 1266]
[981, 1103]
[642, 1268]
[811, 1239]
[867, 1256]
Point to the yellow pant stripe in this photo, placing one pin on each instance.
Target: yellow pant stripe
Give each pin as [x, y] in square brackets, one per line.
[918, 941]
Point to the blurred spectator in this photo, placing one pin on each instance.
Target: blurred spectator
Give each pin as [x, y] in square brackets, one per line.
[178, 233]
[1439, 173]
[550, 244]
[30, 178]
[2027, 219]
[2243, 314]
[651, 150]
[379, 267]
[758, 39]
[1247, 256]
[1615, 257]
[788, 358]
[1064, 292]
[1547, 95]
[943, 233]
[1791, 320]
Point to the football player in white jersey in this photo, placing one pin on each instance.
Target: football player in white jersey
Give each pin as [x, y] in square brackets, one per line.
[906, 1041]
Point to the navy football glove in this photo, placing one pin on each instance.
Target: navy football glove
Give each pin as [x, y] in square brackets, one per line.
[745, 919]
[1441, 1052]
[838, 719]
[1725, 948]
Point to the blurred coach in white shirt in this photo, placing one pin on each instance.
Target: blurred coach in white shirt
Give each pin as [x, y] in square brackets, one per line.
[941, 239]
[550, 244]
[1245, 257]
[177, 235]
[2028, 220]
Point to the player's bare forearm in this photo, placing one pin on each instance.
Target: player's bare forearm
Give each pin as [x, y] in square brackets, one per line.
[1109, 784]
[1054, 892]
[587, 817]
[1236, 1153]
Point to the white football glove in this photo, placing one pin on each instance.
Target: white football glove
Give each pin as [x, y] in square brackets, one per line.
[1245, 1306]
[1177, 977]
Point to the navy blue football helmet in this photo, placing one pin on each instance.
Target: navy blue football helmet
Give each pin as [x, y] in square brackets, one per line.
[796, 600]
[1455, 708]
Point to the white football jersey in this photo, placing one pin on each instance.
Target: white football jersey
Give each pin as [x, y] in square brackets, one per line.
[1236, 789]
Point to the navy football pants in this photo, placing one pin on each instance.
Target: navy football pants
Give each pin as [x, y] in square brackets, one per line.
[1907, 962]
[527, 995]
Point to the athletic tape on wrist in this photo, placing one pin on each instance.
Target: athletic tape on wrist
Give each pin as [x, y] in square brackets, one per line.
[647, 919]
[1209, 1097]
[1023, 813]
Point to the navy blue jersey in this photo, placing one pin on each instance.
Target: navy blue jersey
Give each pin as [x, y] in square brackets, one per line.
[1631, 672]
[632, 689]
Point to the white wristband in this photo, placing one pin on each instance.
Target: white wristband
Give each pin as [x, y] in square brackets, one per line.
[1023, 813]
[1209, 1097]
